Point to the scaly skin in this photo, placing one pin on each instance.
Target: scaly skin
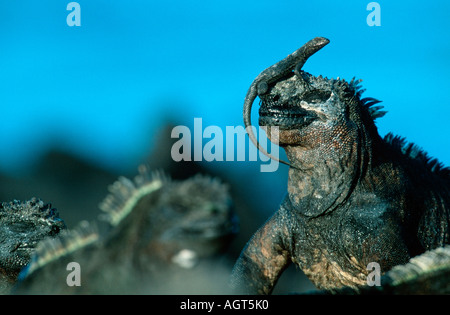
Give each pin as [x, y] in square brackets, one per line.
[353, 197]
[22, 226]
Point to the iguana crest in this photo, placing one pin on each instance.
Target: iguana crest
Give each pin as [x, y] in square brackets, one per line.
[125, 193]
[68, 242]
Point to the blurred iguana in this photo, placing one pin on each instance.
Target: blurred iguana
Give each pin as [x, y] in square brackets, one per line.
[353, 197]
[22, 226]
[153, 232]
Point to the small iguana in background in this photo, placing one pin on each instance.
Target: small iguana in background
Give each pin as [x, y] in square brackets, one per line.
[22, 226]
[153, 236]
[353, 197]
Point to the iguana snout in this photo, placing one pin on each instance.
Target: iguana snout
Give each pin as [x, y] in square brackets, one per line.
[283, 113]
[306, 108]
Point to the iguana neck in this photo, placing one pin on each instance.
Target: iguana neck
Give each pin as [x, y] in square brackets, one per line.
[325, 176]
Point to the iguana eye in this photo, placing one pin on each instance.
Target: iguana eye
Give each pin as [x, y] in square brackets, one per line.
[316, 96]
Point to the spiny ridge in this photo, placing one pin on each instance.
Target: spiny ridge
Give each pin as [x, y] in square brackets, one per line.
[69, 241]
[125, 193]
[415, 152]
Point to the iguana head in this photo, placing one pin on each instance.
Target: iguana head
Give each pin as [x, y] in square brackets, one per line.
[313, 113]
[22, 226]
[168, 220]
[316, 113]
[198, 214]
[324, 126]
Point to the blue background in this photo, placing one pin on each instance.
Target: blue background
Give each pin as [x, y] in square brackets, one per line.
[104, 89]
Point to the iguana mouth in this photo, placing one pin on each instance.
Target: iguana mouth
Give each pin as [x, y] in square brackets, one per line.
[285, 117]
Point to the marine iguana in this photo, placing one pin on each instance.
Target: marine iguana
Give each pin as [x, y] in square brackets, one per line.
[22, 225]
[353, 197]
[153, 234]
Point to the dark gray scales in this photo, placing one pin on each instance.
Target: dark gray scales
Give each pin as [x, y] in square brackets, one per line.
[22, 226]
[353, 197]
